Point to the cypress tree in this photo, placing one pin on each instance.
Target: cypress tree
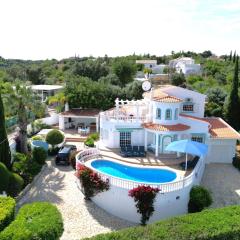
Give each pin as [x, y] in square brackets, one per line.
[5, 153]
[234, 56]
[232, 112]
[230, 56]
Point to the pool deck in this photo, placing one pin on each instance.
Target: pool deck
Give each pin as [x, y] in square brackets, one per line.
[168, 161]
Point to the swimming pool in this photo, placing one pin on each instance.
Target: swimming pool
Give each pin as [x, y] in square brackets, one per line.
[139, 174]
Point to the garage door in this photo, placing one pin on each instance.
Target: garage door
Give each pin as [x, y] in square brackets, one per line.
[220, 154]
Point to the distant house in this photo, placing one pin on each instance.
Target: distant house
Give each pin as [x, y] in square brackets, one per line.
[185, 65]
[45, 91]
[152, 64]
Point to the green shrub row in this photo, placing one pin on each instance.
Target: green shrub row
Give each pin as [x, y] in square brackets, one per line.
[7, 208]
[39, 220]
[214, 224]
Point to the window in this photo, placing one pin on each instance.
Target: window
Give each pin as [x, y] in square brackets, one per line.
[188, 107]
[176, 114]
[198, 138]
[125, 138]
[158, 113]
[168, 115]
[175, 137]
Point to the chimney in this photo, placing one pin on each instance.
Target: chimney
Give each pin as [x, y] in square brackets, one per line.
[66, 107]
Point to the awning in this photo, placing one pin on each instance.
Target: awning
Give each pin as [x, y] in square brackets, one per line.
[188, 146]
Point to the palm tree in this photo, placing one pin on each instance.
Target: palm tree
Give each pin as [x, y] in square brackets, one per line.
[60, 99]
[25, 101]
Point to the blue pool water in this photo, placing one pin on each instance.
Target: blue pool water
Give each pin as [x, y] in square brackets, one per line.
[146, 175]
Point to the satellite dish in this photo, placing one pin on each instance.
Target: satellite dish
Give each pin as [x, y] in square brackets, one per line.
[146, 86]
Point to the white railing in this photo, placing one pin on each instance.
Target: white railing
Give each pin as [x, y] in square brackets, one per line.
[87, 154]
[193, 178]
[123, 118]
[165, 187]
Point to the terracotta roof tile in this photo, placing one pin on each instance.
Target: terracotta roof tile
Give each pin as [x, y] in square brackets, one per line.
[165, 128]
[81, 112]
[218, 128]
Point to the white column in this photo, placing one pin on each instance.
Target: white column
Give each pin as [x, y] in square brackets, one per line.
[157, 145]
[137, 112]
[61, 123]
[117, 107]
[97, 124]
[145, 139]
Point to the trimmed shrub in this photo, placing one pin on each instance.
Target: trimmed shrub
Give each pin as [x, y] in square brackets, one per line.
[4, 178]
[39, 220]
[214, 224]
[89, 142]
[15, 185]
[39, 155]
[200, 198]
[236, 162]
[7, 209]
[54, 137]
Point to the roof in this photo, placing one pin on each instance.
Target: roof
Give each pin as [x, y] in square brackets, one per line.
[160, 96]
[145, 61]
[165, 128]
[218, 128]
[81, 113]
[46, 87]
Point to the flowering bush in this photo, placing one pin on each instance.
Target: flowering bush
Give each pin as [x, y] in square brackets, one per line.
[144, 197]
[91, 182]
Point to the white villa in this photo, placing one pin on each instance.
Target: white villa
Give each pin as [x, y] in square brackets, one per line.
[164, 115]
[185, 65]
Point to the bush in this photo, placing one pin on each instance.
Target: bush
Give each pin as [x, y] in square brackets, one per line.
[7, 208]
[53, 151]
[39, 155]
[214, 224]
[26, 167]
[144, 197]
[94, 136]
[15, 185]
[236, 162]
[200, 198]
[4, 178]
[54, 137]
[91, 183]
[39, 220]
[89, 142]
[37, 137]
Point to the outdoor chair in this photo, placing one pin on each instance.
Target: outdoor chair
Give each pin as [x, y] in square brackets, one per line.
[142, 152]
[136, 151]
[190, 164]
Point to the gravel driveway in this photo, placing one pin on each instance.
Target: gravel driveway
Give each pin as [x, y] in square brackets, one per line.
[81, 218]
[223, 180]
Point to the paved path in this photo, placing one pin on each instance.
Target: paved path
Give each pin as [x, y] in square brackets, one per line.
[81, 218]
[223, 180]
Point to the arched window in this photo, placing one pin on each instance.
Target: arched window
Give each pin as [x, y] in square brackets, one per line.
[176, 114]
[158, 113]
[168, 115]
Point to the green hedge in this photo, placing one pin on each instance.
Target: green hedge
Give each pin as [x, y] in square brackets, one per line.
[214, 224]
[7, 209]
[4, 178]
[39, 220]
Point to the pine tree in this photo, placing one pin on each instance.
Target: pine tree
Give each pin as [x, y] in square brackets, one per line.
[234, 56]
[230, 56]
[232, 111]
[5, 153]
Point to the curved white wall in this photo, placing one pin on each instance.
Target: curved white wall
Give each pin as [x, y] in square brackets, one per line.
[164, 107]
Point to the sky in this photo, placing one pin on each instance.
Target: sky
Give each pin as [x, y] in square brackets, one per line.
[46, 29]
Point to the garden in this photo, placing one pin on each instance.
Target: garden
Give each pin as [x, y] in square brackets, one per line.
[38, 220]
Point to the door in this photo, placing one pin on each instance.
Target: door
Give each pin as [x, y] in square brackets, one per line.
[165, 141]
[125, 139]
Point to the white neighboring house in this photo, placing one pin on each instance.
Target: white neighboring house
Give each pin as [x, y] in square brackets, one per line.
[45, 91]
[164, 115]
[152, 64]
[185, 65]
